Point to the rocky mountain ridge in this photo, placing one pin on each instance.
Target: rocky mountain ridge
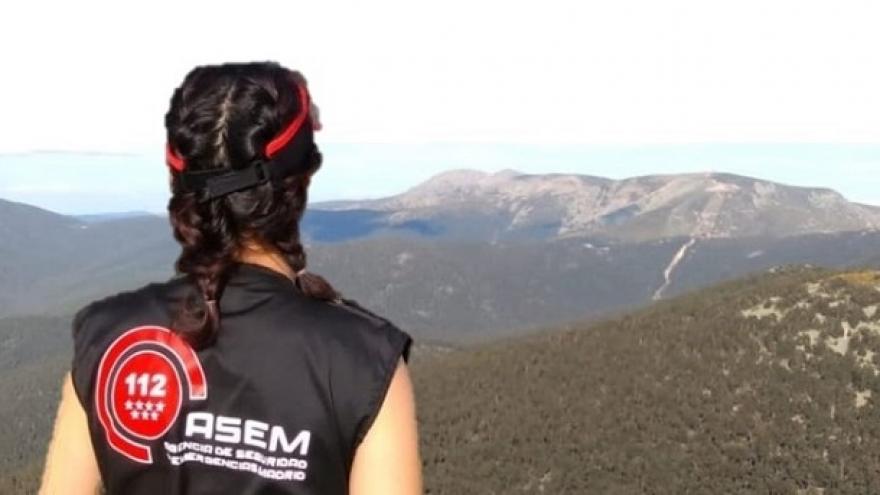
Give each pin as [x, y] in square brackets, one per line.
[702, 205]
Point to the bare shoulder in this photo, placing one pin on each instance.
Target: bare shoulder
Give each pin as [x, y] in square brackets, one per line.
[388, 460]
[70, 465]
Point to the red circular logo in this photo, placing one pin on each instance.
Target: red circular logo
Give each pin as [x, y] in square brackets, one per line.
[144, 377]
[146, 394]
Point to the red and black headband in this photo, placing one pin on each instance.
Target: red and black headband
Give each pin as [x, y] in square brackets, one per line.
[287, 153]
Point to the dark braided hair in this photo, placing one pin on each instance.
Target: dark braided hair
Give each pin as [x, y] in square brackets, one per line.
[222, 116]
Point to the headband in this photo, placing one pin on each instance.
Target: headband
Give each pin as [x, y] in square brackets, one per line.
[287, 153]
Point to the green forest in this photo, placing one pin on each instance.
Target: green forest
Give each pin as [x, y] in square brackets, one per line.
[763, 385]
[746, 388]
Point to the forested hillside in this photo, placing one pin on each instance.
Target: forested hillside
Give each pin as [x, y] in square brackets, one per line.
[764, 385]
[768, 384]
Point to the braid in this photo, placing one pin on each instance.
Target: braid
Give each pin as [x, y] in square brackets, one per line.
[206, 234]
[208, 243]
[222, 117]
[310, 284]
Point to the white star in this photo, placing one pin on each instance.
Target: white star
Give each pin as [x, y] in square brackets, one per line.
[160, 406]
[139, 405]
[149, 406]
[135, 415]
[154, 416]
[128, 405]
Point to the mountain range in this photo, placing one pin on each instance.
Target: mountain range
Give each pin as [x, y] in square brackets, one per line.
[502, 251]
[508, 205]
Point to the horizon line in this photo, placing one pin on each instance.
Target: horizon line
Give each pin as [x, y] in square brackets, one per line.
[429, 142]
[707, 172]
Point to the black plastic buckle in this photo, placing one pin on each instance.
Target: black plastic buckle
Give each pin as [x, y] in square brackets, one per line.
[229, 182]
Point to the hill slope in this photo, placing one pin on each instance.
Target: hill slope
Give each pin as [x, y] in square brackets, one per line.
[765, 385]
[478, 290]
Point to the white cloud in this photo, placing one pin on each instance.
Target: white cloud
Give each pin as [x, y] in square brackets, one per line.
[97, 75]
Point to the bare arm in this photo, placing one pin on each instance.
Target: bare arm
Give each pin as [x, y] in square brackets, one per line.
[387, 461]
[71, 467]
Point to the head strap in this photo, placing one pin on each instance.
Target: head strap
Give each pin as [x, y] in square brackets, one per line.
[287, 153]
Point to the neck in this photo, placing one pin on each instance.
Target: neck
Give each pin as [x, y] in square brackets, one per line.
[268, 259]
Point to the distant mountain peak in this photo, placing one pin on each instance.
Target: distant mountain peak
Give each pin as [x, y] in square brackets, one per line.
[707, 204]
[466, 178]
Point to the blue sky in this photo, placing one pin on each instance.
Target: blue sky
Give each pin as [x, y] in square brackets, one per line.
[77, 183]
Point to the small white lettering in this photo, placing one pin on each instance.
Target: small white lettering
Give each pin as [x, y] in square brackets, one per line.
[233, 430]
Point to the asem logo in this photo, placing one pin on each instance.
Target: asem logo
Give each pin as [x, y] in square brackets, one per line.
[142, 380]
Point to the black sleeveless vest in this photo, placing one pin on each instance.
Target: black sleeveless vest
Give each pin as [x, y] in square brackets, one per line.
[277, 405]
